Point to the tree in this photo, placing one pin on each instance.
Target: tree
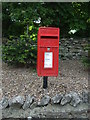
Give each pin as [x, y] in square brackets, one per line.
[20, 26]
[67, 16]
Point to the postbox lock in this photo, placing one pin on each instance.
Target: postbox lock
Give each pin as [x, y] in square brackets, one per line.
[48, 48]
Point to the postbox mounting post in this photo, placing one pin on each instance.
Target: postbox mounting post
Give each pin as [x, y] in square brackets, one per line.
[45, 82]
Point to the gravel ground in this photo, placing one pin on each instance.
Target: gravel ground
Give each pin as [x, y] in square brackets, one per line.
[23, 81]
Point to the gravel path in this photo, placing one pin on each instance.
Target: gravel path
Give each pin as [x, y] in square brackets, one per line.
[24, 81]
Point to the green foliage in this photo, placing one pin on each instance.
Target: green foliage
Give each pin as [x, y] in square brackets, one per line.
[86, 60]
[22, 50]
[66, 16]
[18, 21]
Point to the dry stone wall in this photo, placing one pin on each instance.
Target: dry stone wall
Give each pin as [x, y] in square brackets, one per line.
[70, 104]
[71, 48]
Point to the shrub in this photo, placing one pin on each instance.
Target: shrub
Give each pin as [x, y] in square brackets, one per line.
[22, 50]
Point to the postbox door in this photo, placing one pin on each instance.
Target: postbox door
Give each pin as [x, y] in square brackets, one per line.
[49, 61]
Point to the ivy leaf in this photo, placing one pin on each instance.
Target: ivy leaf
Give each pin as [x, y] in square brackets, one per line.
[30, 28]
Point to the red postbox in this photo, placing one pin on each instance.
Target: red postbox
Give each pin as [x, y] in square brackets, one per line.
[48, 51]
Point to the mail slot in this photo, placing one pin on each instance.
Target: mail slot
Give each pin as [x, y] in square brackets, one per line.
[48, 51]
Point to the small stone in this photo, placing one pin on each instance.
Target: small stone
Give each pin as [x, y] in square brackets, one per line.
[75, 99]
[63, 39]
[16, 101]
[44, 101]
[85, 96]
[66, 99]
[29, 118]
[33, 105]
[28, 102]
[56, 99]
[71, 38]
[4, 103]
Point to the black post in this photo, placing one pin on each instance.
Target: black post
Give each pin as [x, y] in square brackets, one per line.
[45, 82]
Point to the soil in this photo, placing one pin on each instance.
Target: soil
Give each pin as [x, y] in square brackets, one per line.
[23, 81]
